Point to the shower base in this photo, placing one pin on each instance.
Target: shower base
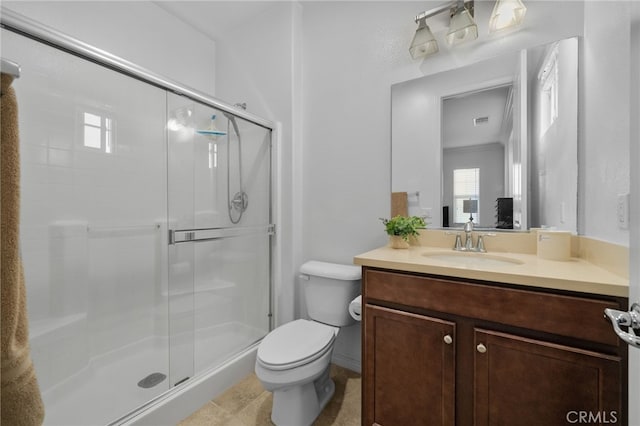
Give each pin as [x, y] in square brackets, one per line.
[107, 388]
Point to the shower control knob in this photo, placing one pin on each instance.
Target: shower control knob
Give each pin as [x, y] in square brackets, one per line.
[448, 339]
[481, 348]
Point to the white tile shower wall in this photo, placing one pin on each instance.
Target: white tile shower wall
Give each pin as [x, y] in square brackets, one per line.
[68, 267]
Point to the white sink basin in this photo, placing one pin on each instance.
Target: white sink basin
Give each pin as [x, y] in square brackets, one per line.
[470, 259]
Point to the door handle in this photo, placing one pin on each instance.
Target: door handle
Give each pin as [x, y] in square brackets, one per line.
[629, 319]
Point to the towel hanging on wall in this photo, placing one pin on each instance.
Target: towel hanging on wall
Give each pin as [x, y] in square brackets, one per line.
[20, 399]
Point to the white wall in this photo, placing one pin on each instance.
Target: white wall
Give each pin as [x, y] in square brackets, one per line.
[347, 153]
[351, 50]
[354, 51]
[139, 32]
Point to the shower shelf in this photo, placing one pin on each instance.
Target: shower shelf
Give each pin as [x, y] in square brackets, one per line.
[211, 132]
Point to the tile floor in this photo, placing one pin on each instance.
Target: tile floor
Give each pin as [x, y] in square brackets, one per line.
[248, 404]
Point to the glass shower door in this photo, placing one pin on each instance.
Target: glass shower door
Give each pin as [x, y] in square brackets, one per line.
[93, 233]
[220, 231]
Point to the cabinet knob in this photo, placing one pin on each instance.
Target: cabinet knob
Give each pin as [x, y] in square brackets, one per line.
[448, 339]
[481, 348]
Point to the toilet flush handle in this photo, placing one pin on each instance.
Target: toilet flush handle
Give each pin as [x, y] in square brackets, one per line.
[304, 277]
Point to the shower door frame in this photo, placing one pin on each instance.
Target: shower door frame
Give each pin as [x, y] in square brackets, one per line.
[34, 30]
[31, 29]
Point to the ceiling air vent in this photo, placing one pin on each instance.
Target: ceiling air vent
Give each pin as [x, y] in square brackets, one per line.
[480, 120]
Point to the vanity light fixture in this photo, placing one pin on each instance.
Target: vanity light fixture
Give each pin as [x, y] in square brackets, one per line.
[506, 14]
[462, 26]
[423, 43]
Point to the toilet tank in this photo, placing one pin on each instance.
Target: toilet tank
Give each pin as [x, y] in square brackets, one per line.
[330, 287]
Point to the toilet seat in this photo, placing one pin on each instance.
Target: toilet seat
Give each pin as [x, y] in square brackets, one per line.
[294, 344]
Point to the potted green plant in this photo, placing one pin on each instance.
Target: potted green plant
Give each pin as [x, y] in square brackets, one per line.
[401, 228]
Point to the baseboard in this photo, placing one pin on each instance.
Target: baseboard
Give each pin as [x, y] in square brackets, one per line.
[347, 362]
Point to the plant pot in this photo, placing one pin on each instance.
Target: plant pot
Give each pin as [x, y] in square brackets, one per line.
[396, 242]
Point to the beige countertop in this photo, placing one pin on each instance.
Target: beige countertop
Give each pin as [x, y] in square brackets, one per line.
[575, 274]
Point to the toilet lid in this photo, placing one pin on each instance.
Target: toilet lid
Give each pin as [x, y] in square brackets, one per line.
[295, 343]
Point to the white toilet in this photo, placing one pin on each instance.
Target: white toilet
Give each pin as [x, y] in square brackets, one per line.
[293, 360]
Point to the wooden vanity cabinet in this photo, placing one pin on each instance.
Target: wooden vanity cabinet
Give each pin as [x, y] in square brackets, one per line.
[413, 369]
[522, 381]
[448, 352]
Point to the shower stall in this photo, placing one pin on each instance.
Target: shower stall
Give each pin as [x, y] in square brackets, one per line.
[146, 228]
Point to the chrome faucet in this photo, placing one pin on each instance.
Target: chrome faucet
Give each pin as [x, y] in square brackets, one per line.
[468, 241]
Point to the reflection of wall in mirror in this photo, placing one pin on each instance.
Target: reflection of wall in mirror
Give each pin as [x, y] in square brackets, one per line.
[554, 122]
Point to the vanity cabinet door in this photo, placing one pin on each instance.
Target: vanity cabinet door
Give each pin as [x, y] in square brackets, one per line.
[409, 369]
[520, 381]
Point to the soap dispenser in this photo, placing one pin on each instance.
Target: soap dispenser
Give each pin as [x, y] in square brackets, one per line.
[212, 131]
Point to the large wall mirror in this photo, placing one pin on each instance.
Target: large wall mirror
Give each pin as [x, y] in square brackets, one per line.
[502, 133]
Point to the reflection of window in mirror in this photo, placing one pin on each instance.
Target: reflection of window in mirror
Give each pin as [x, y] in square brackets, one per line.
[466, 186]
[98, 132]
[549, 89]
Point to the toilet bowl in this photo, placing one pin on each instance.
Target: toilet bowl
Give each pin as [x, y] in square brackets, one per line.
[293, 361]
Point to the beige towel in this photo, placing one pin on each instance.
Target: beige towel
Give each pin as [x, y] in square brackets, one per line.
[20, 400]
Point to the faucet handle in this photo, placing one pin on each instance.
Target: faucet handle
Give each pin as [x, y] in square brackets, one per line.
[458, 244]
[480, 246]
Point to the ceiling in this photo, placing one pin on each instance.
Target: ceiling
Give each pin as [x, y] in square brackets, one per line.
[212, 18]
[458, 113]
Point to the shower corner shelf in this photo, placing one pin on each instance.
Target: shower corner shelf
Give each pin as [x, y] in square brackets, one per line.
[211, 132]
